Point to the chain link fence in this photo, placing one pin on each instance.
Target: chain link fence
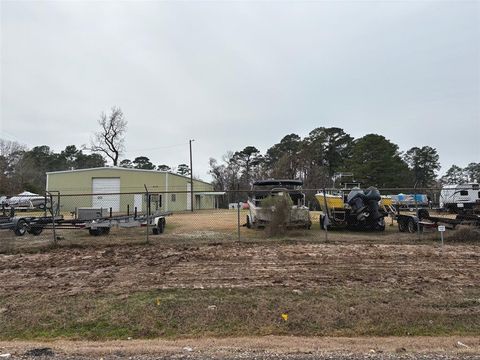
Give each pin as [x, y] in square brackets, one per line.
[184, 217]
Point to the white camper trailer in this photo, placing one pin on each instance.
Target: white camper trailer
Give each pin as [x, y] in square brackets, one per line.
[458, 198]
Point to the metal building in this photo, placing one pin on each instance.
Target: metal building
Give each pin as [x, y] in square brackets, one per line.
[123, 189]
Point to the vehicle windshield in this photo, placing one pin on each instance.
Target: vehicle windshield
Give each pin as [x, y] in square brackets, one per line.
[267, 185]
[264, 188]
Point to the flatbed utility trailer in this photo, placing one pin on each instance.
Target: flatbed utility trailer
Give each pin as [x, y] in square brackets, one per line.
[34, 225]
[16, 224]
[413, 222]
[102, 226]
[20, 225]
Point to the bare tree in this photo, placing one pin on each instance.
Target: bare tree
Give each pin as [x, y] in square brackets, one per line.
[110, 139]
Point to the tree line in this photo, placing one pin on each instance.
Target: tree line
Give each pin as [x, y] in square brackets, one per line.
[325, 152]
[25, 169]
[316, 159]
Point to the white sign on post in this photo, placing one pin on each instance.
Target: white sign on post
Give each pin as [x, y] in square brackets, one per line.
[441, 228]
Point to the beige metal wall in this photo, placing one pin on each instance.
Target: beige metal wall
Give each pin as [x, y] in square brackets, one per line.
[131, 181]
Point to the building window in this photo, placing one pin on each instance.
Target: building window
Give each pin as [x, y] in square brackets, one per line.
[174, 197]
[464, 193]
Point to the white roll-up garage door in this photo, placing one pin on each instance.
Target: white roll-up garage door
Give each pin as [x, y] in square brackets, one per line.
[102, 186]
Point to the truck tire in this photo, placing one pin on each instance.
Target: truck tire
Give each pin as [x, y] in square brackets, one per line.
[402, 225]
[21, 228]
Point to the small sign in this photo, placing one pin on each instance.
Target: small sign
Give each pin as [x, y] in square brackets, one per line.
[441, 228]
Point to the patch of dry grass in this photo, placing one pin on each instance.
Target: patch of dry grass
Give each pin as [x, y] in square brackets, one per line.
[464, 234]
[334, 311]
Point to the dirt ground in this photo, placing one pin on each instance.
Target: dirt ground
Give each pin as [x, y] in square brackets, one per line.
[359, 275]
[424, 268]
[268, 347]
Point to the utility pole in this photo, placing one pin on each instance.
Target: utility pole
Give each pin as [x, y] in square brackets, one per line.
[191, 176]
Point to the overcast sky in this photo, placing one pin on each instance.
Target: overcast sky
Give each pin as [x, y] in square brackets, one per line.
[233, 74]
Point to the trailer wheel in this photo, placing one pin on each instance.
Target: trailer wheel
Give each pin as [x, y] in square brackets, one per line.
[322, 221]
[160, 228]
[380, 225]
[35, 231]
[402, 226]
[21, 227]
[423, 214]
[411, 226]
[95, 232]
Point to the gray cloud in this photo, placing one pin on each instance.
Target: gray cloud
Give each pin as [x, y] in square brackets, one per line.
[235, 74]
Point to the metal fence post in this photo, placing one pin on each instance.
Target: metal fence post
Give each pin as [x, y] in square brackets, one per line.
[53, 213]
[148, 213]
[416, 211]
[237, 197]
[238, 220]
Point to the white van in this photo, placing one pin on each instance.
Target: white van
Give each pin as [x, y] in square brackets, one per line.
[458, 198]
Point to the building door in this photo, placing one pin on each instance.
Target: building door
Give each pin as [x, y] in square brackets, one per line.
[138, 202]
[198, 204]
[101, 187]
[189, 196]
